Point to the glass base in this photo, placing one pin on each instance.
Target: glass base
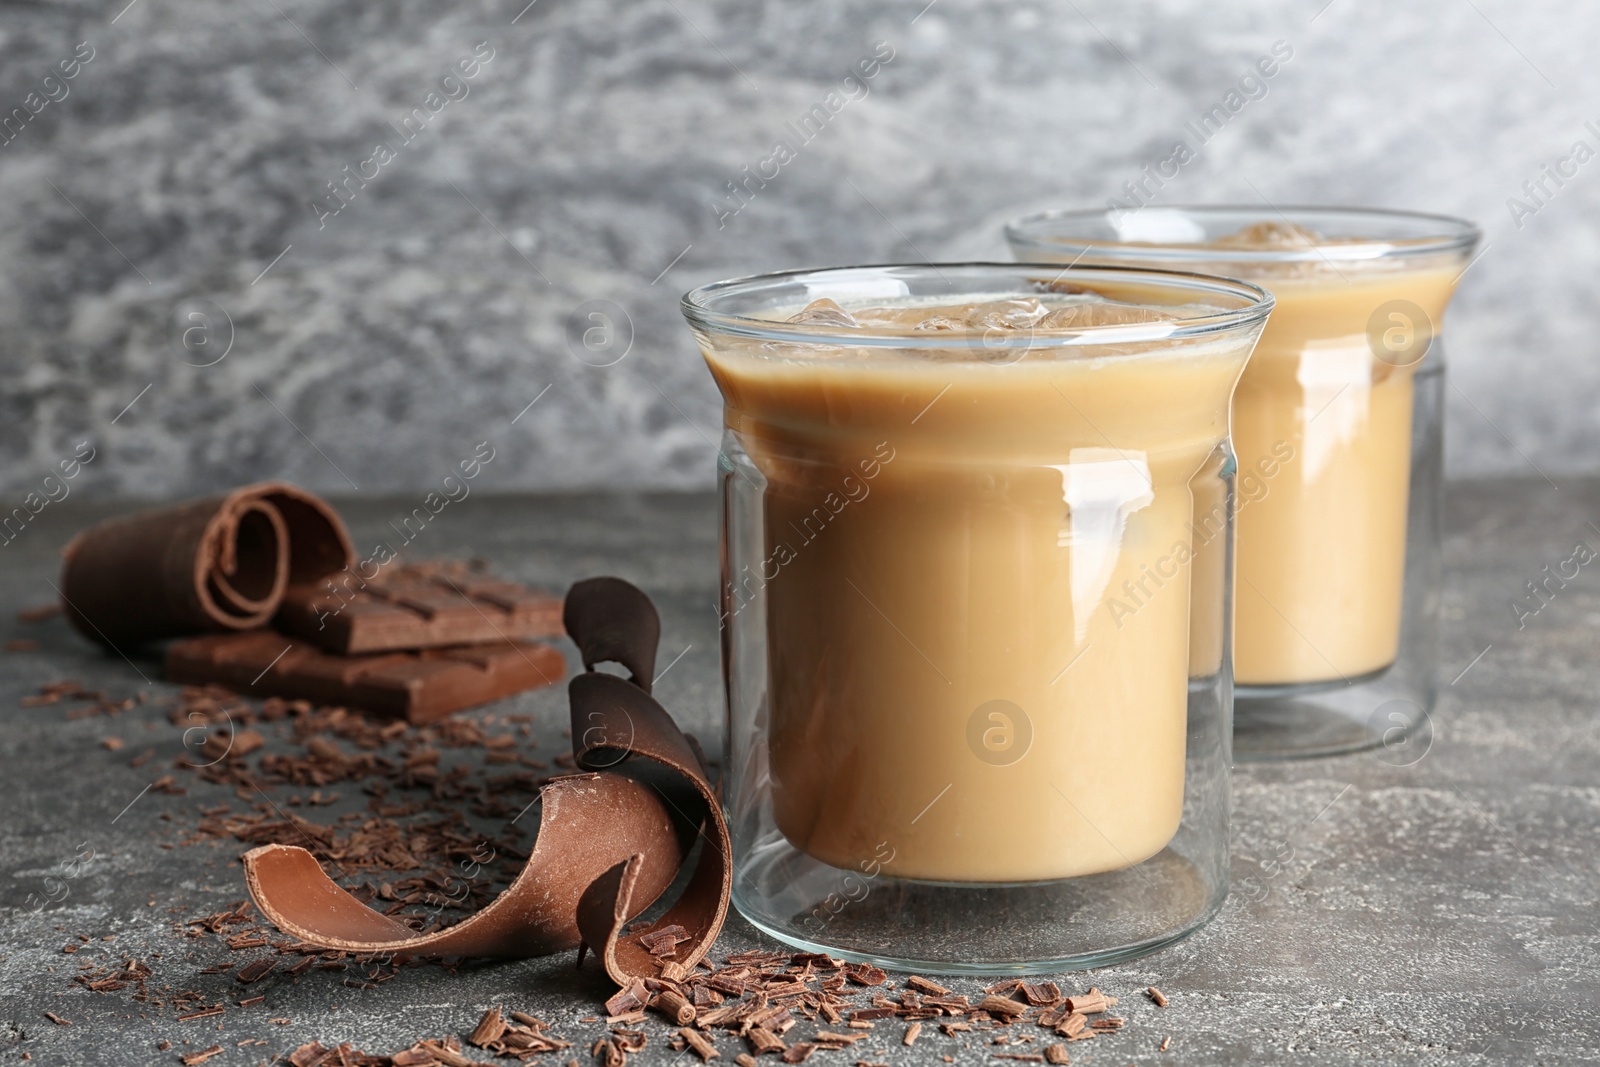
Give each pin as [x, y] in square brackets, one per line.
[1285, 722]
[953, 928]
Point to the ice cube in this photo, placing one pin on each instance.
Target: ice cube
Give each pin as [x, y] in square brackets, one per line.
[1268, 235]
[1014, 314]
[940, 322]
[1108, 313]
[890, 318]
[824, 312]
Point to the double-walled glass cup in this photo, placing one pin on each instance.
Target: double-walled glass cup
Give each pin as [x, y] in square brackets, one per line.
[1338, 424]
[975, 643]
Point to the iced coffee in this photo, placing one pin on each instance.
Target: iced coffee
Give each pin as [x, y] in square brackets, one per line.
[1322, 418]
[1321, 556]
[957, 492]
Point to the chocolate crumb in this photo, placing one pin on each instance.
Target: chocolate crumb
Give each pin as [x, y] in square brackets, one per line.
[913, 1032]
[58, 1020]
[1056, 1053]
[1156, 995]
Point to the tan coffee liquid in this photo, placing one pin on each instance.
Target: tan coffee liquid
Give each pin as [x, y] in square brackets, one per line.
[1320, 559]
[949, 683]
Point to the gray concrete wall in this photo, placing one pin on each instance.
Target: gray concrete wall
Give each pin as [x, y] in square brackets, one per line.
[582, 162]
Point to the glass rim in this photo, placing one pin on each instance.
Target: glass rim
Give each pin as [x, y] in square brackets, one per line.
[698, 307]
[1447, 234]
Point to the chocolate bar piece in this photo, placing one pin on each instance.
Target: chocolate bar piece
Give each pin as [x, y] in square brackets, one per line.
[415, 611]
[420, 687]
[221, 563]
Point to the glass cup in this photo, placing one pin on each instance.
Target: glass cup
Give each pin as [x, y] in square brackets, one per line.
[975, 653]
[1338, 426]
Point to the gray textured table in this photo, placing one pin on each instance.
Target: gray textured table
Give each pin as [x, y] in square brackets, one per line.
[1437, 912]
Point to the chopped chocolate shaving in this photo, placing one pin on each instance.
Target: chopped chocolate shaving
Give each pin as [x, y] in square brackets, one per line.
[1002, 1006]
[488, 1030]
[215, 1009]
[1156, 995]
[701, 1044]
[1056, 1053]
[763, 1041]
[191, 1058]
[630, 1040]
[864, 974]
[924, 985]
[608, 1052]
[1041, 992]
[58, 1020]
[629, 998]
[828, 1038]
[1091, 1002]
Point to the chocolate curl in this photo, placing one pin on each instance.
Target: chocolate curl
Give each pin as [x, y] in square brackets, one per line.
[209, 565]
[612, 621]
[591, 823]
[609, 845]
[613, 719]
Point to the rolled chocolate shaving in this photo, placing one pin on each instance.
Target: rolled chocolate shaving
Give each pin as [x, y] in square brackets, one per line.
[612, 621]
[609, 845]
[209, 565]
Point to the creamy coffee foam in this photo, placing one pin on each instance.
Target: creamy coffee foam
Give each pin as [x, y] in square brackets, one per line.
[945, 534]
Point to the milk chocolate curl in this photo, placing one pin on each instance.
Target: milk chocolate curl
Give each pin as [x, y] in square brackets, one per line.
[612, 621]
[610, 842]
[209, 565]
[591, 822]
[611, 719]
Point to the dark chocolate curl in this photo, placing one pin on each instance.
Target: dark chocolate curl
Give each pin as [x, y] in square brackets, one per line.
[209, 565]
[612, 621]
